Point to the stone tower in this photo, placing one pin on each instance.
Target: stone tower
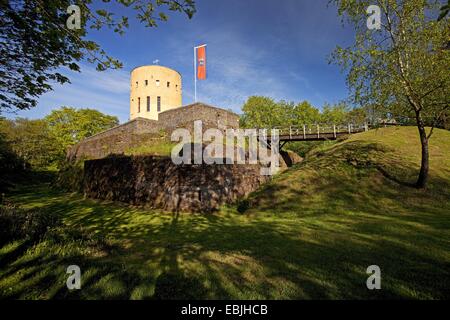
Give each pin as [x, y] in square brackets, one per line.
[154, 89]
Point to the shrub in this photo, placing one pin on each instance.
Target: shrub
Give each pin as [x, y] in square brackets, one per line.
[70, 176]
[243, 205]
[17, 223]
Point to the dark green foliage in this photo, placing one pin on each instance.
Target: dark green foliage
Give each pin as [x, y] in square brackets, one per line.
[70, 176]
[17, 223]
[10, 164]
[243, 205]
[445, 9]
[43, 143]
[31, 141]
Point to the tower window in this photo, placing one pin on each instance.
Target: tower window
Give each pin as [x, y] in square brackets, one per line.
[146, 82]
[139, 105]
[168, 84]
[148, 104]
[136, 84]
[157, 83]
[159, 104]
[176, 87]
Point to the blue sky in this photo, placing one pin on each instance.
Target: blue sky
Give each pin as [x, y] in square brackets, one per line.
[276, 48]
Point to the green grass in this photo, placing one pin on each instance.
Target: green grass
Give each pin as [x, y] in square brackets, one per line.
[309, 234]
[157, 148]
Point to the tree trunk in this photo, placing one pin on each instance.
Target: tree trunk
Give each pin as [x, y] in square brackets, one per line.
[423, 175]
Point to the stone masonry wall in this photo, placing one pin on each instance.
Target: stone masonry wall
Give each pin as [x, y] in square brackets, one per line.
[211, 117]
[116, 140]
[158, 183]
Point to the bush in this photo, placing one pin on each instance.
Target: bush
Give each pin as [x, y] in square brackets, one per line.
[10, 164]
[70, 176]
[301, 148]
[17, 223]
[243, 205]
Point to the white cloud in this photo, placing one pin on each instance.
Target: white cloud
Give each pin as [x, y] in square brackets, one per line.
[116, 81]
[236, 70]
[106, 91]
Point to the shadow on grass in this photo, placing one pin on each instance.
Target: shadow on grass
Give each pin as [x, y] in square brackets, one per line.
[192, 256]
[310, 234]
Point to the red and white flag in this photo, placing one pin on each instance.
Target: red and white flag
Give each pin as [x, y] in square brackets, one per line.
[199, 66]
[201, 62]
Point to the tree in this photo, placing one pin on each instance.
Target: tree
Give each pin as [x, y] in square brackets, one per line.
[263, 112]
[305, 113]
[357, 116]
[36, 41]
[403, 66]
[10, 163]
[336, 114]
[69, 126]
[445, 9]
[30, 141]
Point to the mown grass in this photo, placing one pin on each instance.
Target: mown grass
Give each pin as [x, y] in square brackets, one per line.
[309, 234]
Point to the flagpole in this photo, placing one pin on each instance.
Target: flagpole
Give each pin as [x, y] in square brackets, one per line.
[195, 74]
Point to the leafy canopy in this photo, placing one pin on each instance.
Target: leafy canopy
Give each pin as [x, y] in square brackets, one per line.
[43, 143]
[265, 112]
[69, 125]
[402, 68]
[30, 141]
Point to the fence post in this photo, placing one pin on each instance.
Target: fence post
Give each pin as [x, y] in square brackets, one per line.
[366, 126]
[290, 132]
[334, 130]
[318, 132]
[304, 132]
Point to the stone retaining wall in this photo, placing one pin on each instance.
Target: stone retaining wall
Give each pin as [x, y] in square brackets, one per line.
[158, 183]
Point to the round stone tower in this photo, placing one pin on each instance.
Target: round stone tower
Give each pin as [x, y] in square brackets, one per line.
[154, 89]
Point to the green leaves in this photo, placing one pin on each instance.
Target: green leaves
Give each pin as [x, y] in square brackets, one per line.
[264, 112]
[44, 142]
[445, 9]
[31, 141]
[69, 126]
[397, 66]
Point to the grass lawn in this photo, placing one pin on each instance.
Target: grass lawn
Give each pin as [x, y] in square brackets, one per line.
[311, 233]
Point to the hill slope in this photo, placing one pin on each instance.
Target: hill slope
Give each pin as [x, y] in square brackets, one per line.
[353, 198]
[367, 169]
